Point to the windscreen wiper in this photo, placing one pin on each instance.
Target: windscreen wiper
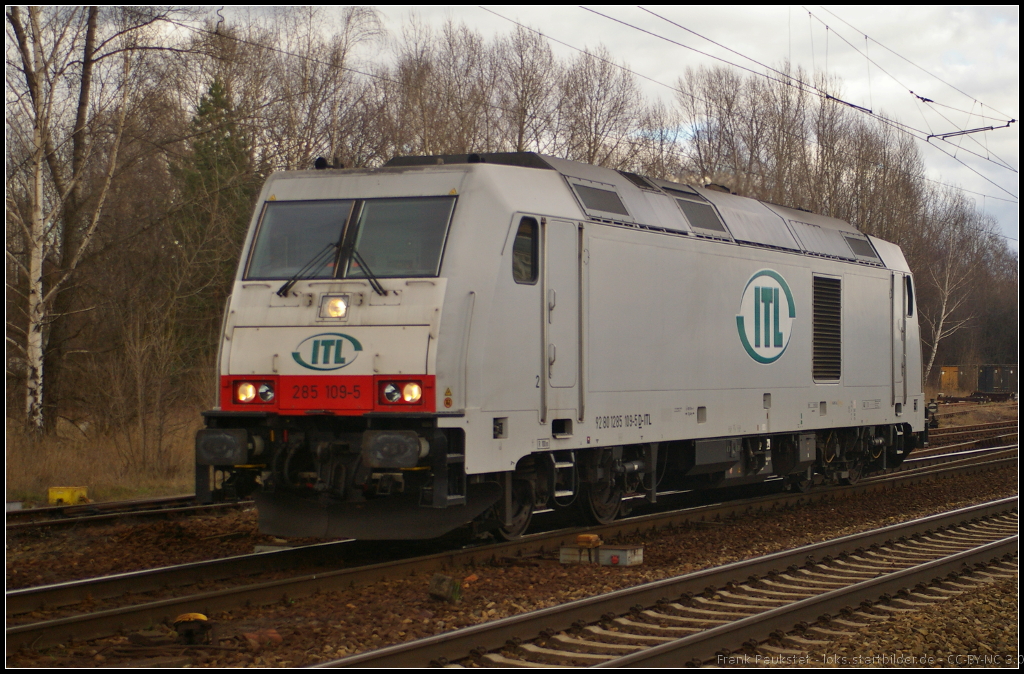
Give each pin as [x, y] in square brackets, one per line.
[374, 283]
[310, 269]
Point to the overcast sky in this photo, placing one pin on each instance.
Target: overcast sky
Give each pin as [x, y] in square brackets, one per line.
[966, 58]
[973, 49]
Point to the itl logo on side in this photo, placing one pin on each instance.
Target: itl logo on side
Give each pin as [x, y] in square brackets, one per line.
[766, 317]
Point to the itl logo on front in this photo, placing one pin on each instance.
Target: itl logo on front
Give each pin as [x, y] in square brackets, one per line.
[766, 317]
[327, 351]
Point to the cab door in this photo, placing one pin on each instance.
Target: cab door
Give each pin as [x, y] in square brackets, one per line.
[561, 311]
[899, 339]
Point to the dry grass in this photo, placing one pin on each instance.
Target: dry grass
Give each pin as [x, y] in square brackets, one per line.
[114, 465]
[984, 413]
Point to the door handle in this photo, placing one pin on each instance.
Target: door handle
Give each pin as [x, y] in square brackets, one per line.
[551, 354]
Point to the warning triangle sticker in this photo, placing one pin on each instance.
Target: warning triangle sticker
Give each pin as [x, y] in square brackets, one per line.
[447, 391]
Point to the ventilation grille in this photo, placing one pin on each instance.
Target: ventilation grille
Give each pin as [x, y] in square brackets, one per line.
[827, 325]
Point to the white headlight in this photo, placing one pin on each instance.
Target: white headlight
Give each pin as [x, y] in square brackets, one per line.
[411, 392]
[334, 306]
[246, 392]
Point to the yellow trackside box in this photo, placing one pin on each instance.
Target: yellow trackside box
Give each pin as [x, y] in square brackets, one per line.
[67, 495]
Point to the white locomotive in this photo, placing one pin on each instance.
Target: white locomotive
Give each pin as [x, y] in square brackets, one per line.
[468, 339]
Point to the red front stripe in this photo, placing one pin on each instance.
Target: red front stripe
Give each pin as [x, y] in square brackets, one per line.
[343, 395]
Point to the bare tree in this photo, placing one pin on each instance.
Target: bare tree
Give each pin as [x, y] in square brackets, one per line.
[656, 143]
[70, 79]
[313, 85]
[526, 91]
[600, 106]
[441, 92]
[946, 283]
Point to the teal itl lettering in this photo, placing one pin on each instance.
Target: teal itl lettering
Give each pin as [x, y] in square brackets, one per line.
[338, 360]
[327, 344]
[766, 297]
[776, 334]
[316, 352]
[757, 317]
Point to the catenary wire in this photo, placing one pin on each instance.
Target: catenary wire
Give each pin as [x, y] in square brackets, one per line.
[1001, 162]
[392, 81]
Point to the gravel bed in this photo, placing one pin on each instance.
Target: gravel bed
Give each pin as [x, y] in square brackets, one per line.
[976, 629]
[333, 624]
[42, 557]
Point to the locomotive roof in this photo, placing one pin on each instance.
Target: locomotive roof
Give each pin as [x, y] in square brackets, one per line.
[621, 197]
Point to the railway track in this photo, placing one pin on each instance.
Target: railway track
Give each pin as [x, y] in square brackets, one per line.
[102, 513]
[691, 619]
[959, 434]
[26, 630]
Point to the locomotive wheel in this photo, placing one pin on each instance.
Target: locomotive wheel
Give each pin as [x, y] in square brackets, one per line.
[601, 502]
[522, 511]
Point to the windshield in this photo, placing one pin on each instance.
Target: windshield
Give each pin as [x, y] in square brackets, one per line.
[401, 237]
[292, 233]
[395, 237]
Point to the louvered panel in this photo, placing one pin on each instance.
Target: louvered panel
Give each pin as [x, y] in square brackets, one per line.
[827, 326]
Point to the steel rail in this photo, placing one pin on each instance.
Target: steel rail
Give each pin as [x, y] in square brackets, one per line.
[973, 428]
[25, 600]
[704, 645]
[91, 508]
[984, 443]
[107, 517]
[496, 634]
[961, 457]
[951, 463]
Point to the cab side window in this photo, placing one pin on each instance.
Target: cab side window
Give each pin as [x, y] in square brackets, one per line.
[525, 263]
[910, 296]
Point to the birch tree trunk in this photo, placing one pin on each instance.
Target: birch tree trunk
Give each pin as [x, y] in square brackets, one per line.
[70, 155]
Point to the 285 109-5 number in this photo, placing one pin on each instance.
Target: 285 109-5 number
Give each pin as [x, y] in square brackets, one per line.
[327, 391]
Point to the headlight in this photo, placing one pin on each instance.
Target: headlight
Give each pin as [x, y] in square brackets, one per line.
[400, 392]
[246, 392]
[412, 392]
[254, 392]
[334, 306]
